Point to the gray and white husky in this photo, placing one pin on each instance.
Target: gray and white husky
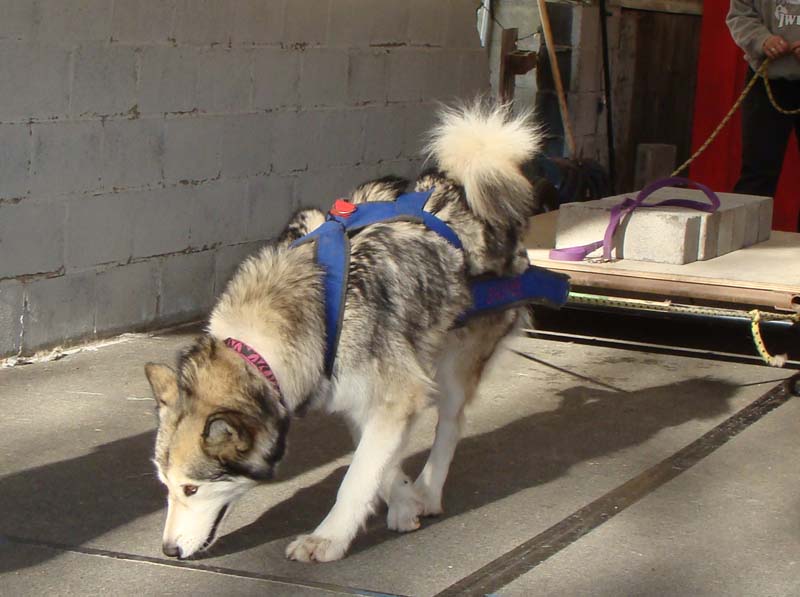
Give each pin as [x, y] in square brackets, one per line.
[223, 424]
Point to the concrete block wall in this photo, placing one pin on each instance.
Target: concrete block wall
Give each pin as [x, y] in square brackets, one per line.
[148, 146]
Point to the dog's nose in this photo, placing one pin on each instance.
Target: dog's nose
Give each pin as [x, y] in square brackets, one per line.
[170, 550]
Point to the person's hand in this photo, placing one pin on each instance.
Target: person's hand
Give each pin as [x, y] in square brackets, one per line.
[775, 47]
[796, 50]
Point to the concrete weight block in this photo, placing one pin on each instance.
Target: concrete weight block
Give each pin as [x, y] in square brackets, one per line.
[668, 234]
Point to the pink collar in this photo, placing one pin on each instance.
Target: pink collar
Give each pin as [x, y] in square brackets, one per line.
[249, 354]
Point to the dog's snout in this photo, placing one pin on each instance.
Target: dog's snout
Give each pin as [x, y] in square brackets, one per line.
[171, 550]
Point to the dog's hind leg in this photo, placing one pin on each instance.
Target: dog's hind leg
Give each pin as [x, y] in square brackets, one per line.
[455, 393]
[381, 441]
[458, 376]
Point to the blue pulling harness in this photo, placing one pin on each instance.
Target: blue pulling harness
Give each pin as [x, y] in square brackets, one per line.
[536, 285]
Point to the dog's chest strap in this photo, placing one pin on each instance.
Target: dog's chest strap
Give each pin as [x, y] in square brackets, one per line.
[332, 243]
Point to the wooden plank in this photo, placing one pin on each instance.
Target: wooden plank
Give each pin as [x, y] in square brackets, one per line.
[655, 72]
[765, 274]
[687, 7]
[507, 78]
[682, 290]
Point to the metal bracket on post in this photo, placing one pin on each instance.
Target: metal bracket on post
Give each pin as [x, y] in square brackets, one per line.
[513, 62]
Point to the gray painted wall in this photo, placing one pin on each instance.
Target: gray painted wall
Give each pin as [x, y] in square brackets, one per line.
[147, 146]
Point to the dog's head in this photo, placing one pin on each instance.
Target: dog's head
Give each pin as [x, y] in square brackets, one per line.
[221, 430]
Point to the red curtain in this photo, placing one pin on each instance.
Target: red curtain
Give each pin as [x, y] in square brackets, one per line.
[720, 78]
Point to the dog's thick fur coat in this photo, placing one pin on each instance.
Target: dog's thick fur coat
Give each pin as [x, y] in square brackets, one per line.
[222, 427]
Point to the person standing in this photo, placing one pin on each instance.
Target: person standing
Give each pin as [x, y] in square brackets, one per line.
[767, 29]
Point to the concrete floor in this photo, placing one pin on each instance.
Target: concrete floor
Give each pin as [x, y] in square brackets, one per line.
[81, 510]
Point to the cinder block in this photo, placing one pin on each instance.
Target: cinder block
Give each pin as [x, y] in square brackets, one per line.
[367, 76]
[276, 75]
[31, 238]
[162, 219]
[270, 204]
[70, 21]
[143, 21]
[320, 188]
[440, 79]
[203, 22]
[218, 214]
[307, 21]
[38, 75]
[408, 68]
[58, 309]
[323, 77]
[99, 230]
[259, 21]
[419, 120]
[666, 234]
[390, 24]
[168, 80]
[426, 20]
[225, 82]
[187, 286]
[295, 136]
[462, 25]
[345, 131]
[192, 148]
[19, 21]
[404, 168]
[105, 80]
[246, 145]
[67, 156]
[133, 152]
[474, 75]
[350, 22]
[11, 306]
[15, 156]
[228, 260]
[385, 132]
[127, 297]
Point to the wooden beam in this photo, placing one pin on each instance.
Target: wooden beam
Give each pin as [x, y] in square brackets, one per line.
[508, 44]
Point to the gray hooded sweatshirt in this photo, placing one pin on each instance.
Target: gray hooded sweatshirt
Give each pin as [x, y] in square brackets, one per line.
[752, 21]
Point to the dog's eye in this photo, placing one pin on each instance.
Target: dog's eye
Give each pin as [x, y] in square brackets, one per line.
[189, 490]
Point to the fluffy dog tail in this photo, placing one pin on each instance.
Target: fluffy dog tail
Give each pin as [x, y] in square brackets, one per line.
[482, 147]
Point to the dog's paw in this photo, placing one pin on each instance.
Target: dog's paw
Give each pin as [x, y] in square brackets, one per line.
[431, 503]
[313, 548]
[404, 513]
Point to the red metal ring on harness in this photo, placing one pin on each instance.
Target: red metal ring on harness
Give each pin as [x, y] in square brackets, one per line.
[343, 208]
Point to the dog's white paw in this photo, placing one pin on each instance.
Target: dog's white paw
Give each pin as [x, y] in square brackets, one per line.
[404, 512]
[431, 503]
[313, 548]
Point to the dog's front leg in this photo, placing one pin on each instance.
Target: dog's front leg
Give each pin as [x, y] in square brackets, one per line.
[377, 450]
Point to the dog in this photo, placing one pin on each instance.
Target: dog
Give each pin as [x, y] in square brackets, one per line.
[223, 419]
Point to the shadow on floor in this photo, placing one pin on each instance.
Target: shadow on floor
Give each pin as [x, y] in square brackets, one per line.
[588, 424]
[76, 500]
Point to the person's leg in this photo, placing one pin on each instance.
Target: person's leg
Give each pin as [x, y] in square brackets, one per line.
[765, 133]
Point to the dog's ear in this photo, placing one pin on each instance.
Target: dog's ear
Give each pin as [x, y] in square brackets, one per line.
[164, 383]
[226, 436]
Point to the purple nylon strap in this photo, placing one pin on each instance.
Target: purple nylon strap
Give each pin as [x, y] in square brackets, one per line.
[620, 211]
